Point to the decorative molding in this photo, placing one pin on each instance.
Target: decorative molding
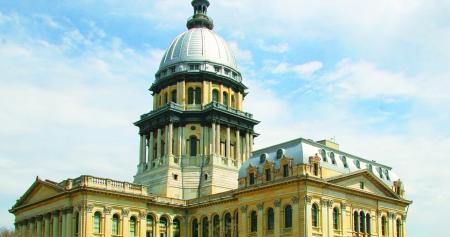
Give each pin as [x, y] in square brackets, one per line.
[308, 199]
[379, 213]
[89, 208]
[277, 202]
[260, 206]
[343, 206]
[68, 210]
[39, 218]
[244, 208]
[295, 199]
[107, 210]
[143, 215]
[55, 213]
[125, 212]
[391, 215]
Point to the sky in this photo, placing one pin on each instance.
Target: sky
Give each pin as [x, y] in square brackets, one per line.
[374, 75]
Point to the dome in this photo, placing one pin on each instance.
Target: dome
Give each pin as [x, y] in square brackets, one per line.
[199, 45]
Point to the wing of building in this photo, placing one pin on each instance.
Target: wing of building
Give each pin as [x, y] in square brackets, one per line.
[198, 176]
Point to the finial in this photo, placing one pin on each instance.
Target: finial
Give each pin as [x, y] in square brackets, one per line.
[200, 18]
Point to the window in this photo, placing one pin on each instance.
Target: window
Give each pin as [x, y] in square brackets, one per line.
[194, 67]
[383, 226]
[190, 96]
[358, 164]
[270, 219]
[176, 229]
[236, 226]
[370, 167]
[217, 69]
[205, 227]
[233, 102]
[315, 215]
[172, 69]
[280, 153]
[205, 176]
[193, 145]
[174, 96]
[162, 227]
[253, 222]
[115, 225]
[268, 175]
[198, 96]
[227, 225]
[77, 223]
[175, 176]
[362, 222]
[252, 178]
[380, 172]
[355, 221]
[97, 218]
[361, 185]
[316, 169]
[344, 161]
[386, 173]
[166, 98]
[216, 226]
[215, 95]
[368, 223]
[335, 218]
[194, 228]
[225, 98]
[288, 216]
[398, 228]
[133, 226]
[333, 160]
[150, 226]
[285, 170]
[227, 72]
[323, 153]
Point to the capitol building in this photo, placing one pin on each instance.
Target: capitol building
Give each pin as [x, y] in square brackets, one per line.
[198, 175]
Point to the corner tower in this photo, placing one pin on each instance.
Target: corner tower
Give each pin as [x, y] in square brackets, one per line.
[197, 136]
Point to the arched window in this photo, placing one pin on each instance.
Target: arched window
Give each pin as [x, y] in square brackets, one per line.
[270, 219]
[398, 228]
[253, 222]
[176, 229]
[315, 215]
[150, 226]
[383, 226]
[193, 145]
[77, 222]
[166, 98]
[162, 227]
[362, 222]
[194, 228]
[358, 164]
[216, 226]
[356, 221]
[205, 227]
[335, 218]
[368, 223]
[225, 98]
[133, 226]
[174, 96]
[333, 160]
[190, 96]
[227, 225]
[236, 224]
[115, 225]
[198, 96]
[344, 161]
[97, 219]
[215, 95]
[233, 102]
[323, 153]
[288, 216]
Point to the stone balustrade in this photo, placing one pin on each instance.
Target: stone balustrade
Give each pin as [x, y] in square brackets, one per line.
[106, 184]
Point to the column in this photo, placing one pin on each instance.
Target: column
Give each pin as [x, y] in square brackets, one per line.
[228, 144]
[183, 140]
[63, 224]
[218, 139]
[295, 216]
[403, 226]
[31, 224]
[323, 222]
[69, 222]
[47, 225]
[125, 223]
[151, 141]
[260, 229]
[243, 220]
[344, 226]
[391, 224]
[166, 139]
[142, 224]
[39, 226]
[107, 223]
[206, 140]
[202, 136]
[142, 150]
[247, 145]
[158, 144]
[250, 145]
[238, 147]
[55, 217]
[179, 133]
[170, 140]
[212, 139]
[308, 219]
[277, 217]
[330, 218]
[156, 226]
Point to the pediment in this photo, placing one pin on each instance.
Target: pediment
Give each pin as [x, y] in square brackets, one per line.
[372, 184]
[38, 191]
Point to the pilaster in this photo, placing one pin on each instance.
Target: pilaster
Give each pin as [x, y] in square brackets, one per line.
[260, 207]
[243, 220]
[295, 216]
[277, 217]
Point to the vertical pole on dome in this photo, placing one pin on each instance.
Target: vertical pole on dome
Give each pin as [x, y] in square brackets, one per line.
[200, 18]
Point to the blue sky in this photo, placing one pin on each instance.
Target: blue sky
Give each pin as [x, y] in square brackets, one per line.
[372, 74]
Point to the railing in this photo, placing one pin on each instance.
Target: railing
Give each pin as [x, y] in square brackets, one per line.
[105, 184]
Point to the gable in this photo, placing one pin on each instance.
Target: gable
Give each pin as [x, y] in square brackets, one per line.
[40, 190]
[371, 184]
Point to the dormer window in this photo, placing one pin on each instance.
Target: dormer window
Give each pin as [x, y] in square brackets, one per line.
[263, 158]
[280, 153]
[164, 72]
[285, 170]
[172, 69]
[234, 75]
[333, 160]
[217, 69]
[386, 173]
[268, 175]
[193, 67]
[358, 164]
[227, 72]
[344, 161]
[323, 153]
[251, 178]
[370, 167]
[380, 172]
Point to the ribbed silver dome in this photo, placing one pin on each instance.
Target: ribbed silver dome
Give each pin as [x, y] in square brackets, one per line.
[199, 45]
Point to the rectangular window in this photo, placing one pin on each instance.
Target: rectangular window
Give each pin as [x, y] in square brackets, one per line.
[172, 69]
[285, 170]
[268, 175]
[227, 72]
[194, 66]
[252, 178]
[217, 69]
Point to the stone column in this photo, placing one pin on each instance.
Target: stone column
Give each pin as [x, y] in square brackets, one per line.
[142, 224]
[206, 140]
[218, 146]
[238, 147]
[212, 139]
[107, 223]
[158, 144]
[247, 145]
[228, 144]
[403, 226]
[391, 225]
[308, 218]
[31, 225]
[344, 226]
[170, 140]
[69, 222]
[39, 226]
[243, 220]
[179, 137]
[142, 150]
[260, 227]
[166, 139]
[55, 217]
[156, 226]
[47, 225]
[63, 224]
[202, 135]
[151, 141]
[295, 216]
[277, 217]
[250, 145]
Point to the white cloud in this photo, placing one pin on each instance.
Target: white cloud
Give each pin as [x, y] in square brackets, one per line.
[308, 68]
[243, 56]
[302, 70]
[273, 48]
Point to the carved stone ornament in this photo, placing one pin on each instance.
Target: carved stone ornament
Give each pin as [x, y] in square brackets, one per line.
[143, 215]
[244, 208]
[391, 215]
[379, 213]
[277, 202]
[308, 199]
[343, 206]
[324, 202]
[260, 206]
[107, 210]
[125, 212]
[90, 207]
[295, 199]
